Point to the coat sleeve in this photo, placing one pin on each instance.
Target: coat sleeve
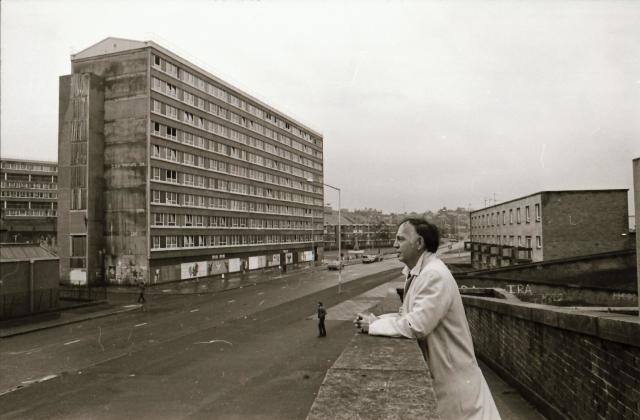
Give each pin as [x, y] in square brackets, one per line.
[431, 299]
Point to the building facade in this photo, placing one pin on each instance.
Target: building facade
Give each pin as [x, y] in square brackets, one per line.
[549, 225]
[167, 172]
[357, 236]
[28, 201]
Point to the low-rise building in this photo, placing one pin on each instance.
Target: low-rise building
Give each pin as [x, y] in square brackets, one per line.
[549, 225]
[28, 201]
[357, 235]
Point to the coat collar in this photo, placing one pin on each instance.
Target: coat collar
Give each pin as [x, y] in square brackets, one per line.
[423, 261]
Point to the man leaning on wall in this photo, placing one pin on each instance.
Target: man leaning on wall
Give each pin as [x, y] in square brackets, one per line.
[432, 312]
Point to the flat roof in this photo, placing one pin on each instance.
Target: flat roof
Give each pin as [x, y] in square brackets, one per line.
[102, 48]
[549, 192]
[10, 159]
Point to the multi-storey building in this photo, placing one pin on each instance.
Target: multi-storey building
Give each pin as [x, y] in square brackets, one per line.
[549, 225]
[168, 172]
[29, 201]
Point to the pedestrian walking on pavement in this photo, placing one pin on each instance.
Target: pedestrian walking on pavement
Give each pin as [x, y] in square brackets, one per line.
[322, 313]
[141, 286]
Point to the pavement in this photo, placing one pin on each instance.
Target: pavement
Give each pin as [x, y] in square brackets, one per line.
[123, 299]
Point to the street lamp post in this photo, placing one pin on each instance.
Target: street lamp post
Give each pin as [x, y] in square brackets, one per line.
[339, 237]
[339, 233]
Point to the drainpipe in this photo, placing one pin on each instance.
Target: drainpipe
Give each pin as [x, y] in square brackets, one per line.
[31, 286]
[636, 193]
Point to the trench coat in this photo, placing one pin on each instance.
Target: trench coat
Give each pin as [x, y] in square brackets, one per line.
[432, 312]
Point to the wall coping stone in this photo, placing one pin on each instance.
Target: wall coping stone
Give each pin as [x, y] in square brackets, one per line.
[611, 326]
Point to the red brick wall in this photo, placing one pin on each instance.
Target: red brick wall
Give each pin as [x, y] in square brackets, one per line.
[581, 368]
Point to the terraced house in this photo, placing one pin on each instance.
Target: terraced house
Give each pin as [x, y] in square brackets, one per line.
[168, 172]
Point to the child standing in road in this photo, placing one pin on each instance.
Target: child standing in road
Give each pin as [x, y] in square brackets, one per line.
[141, 286]
[322, 313]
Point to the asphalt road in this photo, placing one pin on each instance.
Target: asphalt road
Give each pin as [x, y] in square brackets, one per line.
[244, 353]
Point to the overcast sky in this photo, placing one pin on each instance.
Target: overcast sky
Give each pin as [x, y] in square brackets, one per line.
[421, 104]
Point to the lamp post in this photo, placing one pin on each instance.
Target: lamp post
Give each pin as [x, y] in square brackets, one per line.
[339, 233]
[339, 237]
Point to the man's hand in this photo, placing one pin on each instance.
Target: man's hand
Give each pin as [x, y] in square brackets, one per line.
[363, 321]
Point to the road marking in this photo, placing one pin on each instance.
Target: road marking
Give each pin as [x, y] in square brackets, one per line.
[194, 310]
[140, 325]
[71, 342]
[130, 306]
[214, 341]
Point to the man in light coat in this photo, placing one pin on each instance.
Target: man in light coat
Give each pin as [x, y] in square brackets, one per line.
[432, 312]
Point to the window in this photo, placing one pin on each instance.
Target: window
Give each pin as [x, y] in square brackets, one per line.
[538, 242]
[527, 214]
[504, 217]
[155, 150]
[171, 176]
[188, 220]
[158, 219]
[519, 240]
[155, 241]
[538, 216]
[172, 133]
[199, 220]
[155, 174]
[171, 219]
[78, 251]
[172, 197]
[172, 112]
[172, 241]
[155, 196]
[510, 216]
[528, 241]
[188, 241]
[188, 117]
[518, 215]
[156, 62]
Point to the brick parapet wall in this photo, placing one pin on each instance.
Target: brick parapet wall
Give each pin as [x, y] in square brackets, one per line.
[573, 364]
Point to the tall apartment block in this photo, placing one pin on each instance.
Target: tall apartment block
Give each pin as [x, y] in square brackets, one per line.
[549, 225]
[28, 201]
[168, 172]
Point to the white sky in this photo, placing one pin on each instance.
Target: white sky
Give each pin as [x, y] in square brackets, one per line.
[421, 104]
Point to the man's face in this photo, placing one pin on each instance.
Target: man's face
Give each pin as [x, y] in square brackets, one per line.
[409, 244]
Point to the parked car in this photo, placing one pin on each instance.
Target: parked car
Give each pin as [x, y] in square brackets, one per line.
[334, 265]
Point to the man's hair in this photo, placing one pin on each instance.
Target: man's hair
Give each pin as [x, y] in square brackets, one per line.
[320, 303]
[428, 231]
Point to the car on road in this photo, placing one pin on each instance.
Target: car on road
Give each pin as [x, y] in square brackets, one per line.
[334, 265]
[371, 258]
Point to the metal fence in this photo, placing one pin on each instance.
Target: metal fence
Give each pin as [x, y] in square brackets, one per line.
[82, 293]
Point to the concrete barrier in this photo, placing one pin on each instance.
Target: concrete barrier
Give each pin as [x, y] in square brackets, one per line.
[377, 378]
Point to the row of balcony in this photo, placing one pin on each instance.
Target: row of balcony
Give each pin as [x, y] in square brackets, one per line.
[485, 255]
[29, 213]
